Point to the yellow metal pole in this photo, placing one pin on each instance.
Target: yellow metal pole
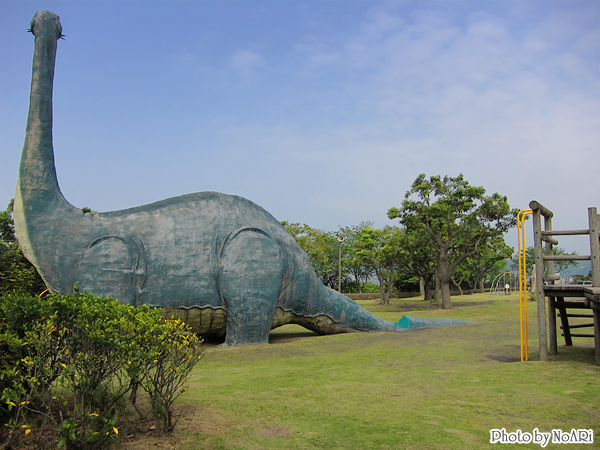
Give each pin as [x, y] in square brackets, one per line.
[525, 286]
[520, 280]
[523, 280]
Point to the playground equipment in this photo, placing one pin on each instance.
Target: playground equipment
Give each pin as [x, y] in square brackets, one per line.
[523, 282]
[498, 286]
[413, 323]
[587, 297]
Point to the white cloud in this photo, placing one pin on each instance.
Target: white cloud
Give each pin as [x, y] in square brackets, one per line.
[244, 63]
[491, 96]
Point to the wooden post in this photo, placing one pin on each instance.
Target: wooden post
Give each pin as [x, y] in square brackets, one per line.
[549, 272]
[539, 275]
[594, 220]
[552, 335]
[597, 335]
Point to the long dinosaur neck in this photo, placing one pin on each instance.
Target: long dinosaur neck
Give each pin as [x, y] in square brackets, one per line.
[37, 171]
[37, 186]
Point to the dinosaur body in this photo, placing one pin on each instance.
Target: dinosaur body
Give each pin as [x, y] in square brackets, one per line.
[219, 255]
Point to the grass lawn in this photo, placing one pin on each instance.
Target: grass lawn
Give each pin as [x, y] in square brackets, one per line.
[441, 388]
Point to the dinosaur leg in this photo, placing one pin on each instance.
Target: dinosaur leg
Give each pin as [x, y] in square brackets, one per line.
[251, 271]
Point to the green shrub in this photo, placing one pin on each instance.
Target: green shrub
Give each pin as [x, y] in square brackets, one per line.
[72, 359]
[370, 288]
[16, 272]
[171, 355]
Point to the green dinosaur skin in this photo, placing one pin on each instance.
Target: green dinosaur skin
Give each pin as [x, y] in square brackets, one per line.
[218, 256]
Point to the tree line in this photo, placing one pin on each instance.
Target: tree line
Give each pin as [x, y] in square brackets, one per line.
[450, 233]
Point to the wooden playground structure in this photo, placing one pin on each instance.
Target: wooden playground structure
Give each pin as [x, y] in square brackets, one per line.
[561, 298]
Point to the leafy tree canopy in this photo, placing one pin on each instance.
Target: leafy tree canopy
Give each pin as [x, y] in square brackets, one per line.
[458, 217]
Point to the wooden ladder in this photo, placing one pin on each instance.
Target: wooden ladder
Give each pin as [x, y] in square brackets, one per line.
[566, 327]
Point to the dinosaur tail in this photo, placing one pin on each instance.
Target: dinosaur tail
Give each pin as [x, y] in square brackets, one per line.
[331, 312]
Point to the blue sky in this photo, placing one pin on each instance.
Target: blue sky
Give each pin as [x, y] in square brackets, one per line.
[322, 112]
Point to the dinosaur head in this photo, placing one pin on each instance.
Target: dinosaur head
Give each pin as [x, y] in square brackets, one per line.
[46, 23]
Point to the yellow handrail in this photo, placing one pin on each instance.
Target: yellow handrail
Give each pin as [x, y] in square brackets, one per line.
[523, 280]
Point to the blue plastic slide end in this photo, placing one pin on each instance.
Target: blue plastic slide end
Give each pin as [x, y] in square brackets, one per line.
[412, 323]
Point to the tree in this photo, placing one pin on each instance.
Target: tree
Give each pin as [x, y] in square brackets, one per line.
[460, 275]
[488, 257]
[422, 261]
[579, 278]
[352, 264]
[458, 217]
[321, 248]
[382, 250]
[16, 272]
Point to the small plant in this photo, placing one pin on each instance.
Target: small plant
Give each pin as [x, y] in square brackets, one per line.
[174, 354]
[68, 433]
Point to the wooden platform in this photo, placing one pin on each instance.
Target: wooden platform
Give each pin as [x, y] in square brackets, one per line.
[590, 293]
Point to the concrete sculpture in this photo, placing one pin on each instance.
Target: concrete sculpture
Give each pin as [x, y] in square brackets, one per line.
[219, 256]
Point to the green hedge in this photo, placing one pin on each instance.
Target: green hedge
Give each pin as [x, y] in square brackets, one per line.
[69, 361]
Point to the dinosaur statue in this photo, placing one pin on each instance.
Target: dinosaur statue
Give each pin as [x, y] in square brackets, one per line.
[220, 260]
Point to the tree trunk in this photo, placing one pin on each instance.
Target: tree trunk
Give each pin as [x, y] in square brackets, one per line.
[428, 293]
[422, 287]
[478, 282]
[390, 285]
[437, 294]
[384, 296]
[384, 299]
[446, 303]
[444, 279]
[359, 285]
[481, 286]
[457, 285]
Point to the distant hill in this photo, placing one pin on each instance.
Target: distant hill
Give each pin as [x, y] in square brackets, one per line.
[583, 268]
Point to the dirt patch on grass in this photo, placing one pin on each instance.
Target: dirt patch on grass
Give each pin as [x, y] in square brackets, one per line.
[209, 421]
[460, 304]
[503, 358]
[194, 418]
[270, 432]
[282, 338]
